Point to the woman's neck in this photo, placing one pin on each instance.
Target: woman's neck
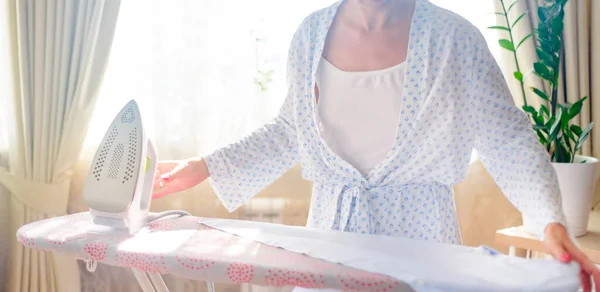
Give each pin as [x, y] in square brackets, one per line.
[372, 15]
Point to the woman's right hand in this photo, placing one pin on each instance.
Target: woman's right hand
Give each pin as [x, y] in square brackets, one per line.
[178, 175]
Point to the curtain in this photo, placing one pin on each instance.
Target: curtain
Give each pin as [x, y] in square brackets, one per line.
[57, 56]
[205, 73]
[580, 66]
[7, 47]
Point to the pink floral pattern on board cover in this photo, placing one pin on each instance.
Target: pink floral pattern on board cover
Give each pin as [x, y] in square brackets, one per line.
[185, 248]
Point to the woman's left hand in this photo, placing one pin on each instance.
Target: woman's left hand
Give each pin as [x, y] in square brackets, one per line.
[562, 248]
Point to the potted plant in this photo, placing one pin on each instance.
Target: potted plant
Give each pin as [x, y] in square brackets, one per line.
[552, 120]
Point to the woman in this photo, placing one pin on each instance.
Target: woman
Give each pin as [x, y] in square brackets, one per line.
[386, 100]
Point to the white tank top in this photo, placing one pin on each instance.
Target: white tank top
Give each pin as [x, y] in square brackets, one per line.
[359, 112]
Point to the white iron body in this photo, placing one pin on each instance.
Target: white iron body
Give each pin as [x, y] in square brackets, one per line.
[119, 185]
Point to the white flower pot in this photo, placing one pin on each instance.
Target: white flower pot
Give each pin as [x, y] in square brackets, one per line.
[576, 181]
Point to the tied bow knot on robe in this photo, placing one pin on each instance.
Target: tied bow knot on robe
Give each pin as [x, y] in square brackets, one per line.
[354, 206]
[355, 200]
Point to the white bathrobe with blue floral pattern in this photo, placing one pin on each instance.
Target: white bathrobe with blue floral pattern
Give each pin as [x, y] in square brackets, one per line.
[455, 99]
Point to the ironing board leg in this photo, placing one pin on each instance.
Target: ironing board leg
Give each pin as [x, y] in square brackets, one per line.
[143, 280]
[153, 282]
[512, 251]
[158, 282]
[210, 286]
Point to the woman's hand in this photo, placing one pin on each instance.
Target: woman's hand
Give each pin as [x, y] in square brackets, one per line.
[178, 175]
[561, 247]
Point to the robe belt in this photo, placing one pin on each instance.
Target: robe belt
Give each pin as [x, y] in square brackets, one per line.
[49, 198]
[363, 195]
[362, 208]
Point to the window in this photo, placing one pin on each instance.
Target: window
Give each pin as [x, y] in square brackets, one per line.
[480, 13]
[204, 72]
[208, 72]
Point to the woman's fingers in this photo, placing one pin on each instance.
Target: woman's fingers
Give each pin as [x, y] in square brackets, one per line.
[166, 166]
[175, 176]
[562, 248]
[177, 172]
[558, 250]
[584, 279]
[588, 269]
[160, 186]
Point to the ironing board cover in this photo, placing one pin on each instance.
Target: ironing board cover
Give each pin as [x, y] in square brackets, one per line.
[423, 265]
[185, 248]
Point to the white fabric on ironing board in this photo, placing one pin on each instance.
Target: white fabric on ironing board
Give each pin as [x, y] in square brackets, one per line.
[425, 266]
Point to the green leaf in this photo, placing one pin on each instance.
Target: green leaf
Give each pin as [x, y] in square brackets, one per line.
[543, 71]
[567, 141]
[576, 129]
[546, 45]
[555, 125]
[541, 137]
[539, 123]
[543, 31]
[564, 125]
[584, 135]
[542, 14]
[556, 43]
[564, 107]
[523, 40]
[550, 122]
[518, 19]
[529, 109]
[557, 25]
[569, 134]
[561, 154]
[500, 13]
[576, 108]
[498, 27]
[544, 110]
[539, 120]
[541, 94]
[507, 44]
[512, 5]
[518, 75]
[545, 57]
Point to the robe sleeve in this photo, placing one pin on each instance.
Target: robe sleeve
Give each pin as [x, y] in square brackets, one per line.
[244, 168]
[509, 148]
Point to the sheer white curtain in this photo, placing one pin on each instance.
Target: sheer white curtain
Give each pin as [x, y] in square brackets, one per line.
[205, 73]
[6, 83]
[199, 69]
[53, 56]
[480, 13]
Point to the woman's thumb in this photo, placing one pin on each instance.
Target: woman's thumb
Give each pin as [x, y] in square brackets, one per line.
[175, 173]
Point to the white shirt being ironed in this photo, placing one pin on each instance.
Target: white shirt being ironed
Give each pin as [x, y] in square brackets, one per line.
[454, 99]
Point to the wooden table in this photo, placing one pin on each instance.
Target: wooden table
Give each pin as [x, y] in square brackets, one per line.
[518, 238]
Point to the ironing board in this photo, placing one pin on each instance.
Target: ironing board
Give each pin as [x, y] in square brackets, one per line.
[182, 247]
[237, 251]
